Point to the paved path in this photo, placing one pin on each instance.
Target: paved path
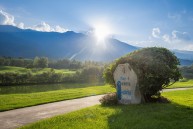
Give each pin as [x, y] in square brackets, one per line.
[19, 117]
[174, 89]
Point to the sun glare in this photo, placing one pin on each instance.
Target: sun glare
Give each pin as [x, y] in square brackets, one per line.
[101, 31]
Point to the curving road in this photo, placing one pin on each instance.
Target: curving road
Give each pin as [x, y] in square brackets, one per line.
[19, 117]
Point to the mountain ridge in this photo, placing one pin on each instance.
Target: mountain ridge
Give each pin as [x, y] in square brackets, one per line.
[29, 43]
[15, 42]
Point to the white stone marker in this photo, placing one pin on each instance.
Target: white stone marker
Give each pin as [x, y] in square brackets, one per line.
[127, 85]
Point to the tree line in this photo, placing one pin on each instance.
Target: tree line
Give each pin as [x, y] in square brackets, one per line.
[87, 71]
[44, 62]
[187, 71]
[85, 75]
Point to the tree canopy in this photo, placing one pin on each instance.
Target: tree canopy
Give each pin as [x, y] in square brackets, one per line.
[156, 68]
[40, 62]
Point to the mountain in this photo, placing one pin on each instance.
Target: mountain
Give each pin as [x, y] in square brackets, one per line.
[186, 57]
[15, 42]
[184, 62]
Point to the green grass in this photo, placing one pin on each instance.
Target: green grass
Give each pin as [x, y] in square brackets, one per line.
[13, 101]
[183, 98]
[22, 70]
[23, 89]
[188, 83]
[4, 69]
[175, 115]
[65, 71]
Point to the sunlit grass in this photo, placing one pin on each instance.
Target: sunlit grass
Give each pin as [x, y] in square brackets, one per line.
[24, 89]
[181, 97]
[175, 115]
[13, 101]
[23, 70]
[4, 69]
[181, 84]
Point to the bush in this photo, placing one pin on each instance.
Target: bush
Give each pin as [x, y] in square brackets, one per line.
[155, 68]
[40, 62]
[109, 99]
[10, 78]
[183, 80]
[91, 74]
[187, 72]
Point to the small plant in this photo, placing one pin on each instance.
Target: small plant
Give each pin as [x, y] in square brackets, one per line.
[109, 99]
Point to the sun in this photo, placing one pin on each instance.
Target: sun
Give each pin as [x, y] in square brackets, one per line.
[101, 31]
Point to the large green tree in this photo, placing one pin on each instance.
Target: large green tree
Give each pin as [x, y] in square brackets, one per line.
[40, 62]
[156, 68]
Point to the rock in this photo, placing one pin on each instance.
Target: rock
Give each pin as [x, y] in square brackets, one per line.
[127, 85]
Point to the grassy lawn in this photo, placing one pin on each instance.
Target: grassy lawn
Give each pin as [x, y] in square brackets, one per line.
[21, 70]
[4, 69]
[13, 101]
[65, 71]
[24, 89]
[188, 83]
[175, 115]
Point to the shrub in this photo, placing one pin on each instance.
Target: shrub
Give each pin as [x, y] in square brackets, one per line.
[109, 99]
[91, 74]
[40, 62]
[155, 68]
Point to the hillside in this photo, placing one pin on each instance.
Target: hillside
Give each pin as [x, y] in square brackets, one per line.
[15, 42]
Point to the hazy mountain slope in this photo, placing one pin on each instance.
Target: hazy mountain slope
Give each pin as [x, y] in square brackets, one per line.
[15, 42]
[187, 55]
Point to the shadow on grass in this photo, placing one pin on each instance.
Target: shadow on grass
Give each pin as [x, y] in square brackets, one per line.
[151, 116]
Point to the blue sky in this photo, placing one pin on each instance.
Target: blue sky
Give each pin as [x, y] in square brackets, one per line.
[166, 23]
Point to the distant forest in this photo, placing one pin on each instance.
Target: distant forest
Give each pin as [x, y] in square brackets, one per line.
[44, 62]
[85, 71]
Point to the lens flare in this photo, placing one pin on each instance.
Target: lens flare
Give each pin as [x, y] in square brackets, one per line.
[101, 31]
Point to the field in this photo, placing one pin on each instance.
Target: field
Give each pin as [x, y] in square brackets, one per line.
[180, 84]
[24, 89]
[175, 115]
[19, 100]
[21, 70]
[12, 97]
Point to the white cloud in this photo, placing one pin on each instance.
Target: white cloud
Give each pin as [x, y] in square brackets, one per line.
[188, 47]
[43, 26]
[60, 29]
[21, 25]
[166, 38]
[6, 19]
[176, 35]
[156, 32]
[174, 40]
